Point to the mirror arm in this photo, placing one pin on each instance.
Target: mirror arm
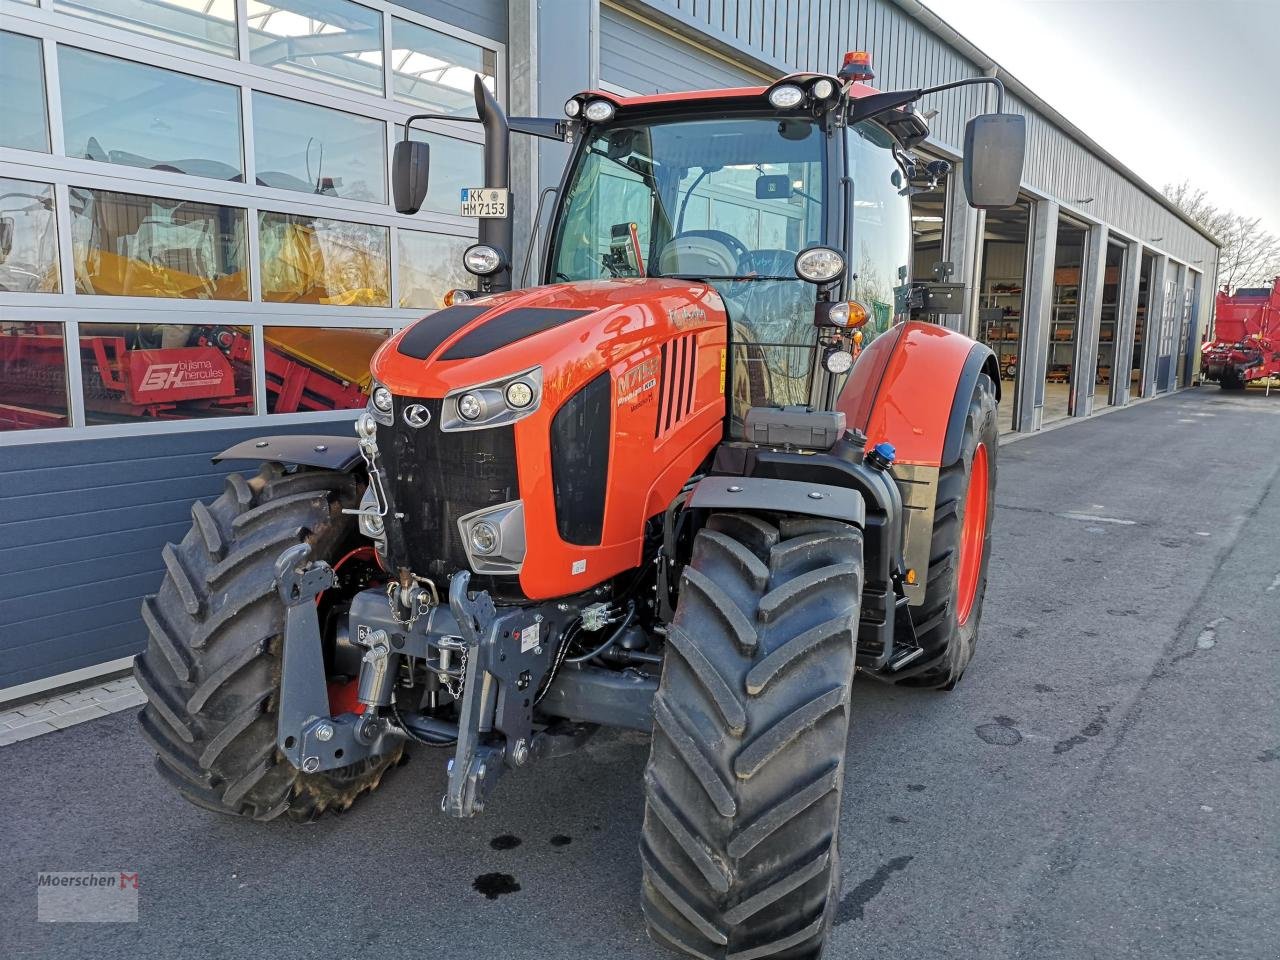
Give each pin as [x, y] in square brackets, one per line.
[545, 127]
[864, 108]
[435, 116]
[968, 82]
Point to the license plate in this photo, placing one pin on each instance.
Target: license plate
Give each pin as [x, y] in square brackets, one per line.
[484, 201]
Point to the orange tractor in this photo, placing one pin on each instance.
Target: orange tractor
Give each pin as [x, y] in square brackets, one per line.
[688, 483]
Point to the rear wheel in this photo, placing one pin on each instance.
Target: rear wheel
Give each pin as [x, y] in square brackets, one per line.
[211, 668]
[947, 622]
[742, 791]
[1231, 379]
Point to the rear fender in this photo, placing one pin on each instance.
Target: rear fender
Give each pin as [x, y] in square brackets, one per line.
[911, 387]
[328, 453]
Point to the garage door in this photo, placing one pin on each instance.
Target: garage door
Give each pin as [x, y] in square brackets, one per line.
[642, 58]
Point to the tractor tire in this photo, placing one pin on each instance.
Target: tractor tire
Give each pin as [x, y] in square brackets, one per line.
[947, 622]
[1231, 379]
[211, 668]
[742, 791]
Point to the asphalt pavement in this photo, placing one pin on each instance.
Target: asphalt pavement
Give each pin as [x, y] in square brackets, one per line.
[1104, 783]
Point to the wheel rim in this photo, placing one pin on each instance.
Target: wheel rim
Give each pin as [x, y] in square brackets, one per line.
[973, 535]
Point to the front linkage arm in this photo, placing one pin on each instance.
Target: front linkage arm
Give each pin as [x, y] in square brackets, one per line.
[307, 735]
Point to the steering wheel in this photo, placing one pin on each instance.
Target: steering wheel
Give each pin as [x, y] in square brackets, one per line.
[735, 245]
[772, 262]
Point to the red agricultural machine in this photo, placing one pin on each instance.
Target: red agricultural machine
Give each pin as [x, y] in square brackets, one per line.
[1246, 346]
[136, 370]
[654, 490]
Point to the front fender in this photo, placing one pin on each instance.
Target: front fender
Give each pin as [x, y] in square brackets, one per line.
[782, 496]
[912, 387]
[329, 453]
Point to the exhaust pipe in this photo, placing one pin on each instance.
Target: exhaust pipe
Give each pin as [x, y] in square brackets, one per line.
[496, 231]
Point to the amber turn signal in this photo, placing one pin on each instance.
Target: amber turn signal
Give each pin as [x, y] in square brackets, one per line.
[849, 314]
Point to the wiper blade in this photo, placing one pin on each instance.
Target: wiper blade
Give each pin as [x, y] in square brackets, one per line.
[717, 276]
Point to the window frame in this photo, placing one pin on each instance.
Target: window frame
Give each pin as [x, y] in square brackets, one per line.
[52, 28]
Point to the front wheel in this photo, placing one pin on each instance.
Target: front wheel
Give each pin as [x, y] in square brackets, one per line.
[211, 668]
[742, 790]
[947, 622]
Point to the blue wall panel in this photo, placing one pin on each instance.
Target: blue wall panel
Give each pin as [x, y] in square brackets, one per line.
[82, 523]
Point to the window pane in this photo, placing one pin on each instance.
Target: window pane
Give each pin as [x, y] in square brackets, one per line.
[454, 164]
[28, 238]
[121, 112]
[333, 40]
[435, 70]
[313, 260]
[204, 24]
[164, 371]
[430, 266]
[135, 246]
[33, 376]
[25, 126]
[298, 146]
[881, 249]
[319, 368]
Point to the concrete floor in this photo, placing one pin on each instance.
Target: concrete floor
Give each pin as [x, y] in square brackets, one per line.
[1103, 784]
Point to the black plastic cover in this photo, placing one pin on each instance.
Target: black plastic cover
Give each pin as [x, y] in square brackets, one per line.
[507, 328]
[580, 435]
[425, 336]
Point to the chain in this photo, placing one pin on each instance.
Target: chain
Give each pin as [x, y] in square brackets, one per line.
[418, 605]
[456, 685]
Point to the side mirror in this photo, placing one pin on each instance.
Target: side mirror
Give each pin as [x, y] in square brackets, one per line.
[410, 165]
[994, 147]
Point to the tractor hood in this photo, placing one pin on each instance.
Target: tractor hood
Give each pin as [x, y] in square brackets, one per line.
[573, 331]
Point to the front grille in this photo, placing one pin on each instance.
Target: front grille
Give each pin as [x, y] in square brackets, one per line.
[435, 477]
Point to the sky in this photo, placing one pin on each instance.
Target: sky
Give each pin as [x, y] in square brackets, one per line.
[1175, 89]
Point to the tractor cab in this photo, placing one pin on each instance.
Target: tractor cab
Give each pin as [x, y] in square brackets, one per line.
[791, 201]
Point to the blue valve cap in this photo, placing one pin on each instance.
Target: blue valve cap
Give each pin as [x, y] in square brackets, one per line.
[886, 451]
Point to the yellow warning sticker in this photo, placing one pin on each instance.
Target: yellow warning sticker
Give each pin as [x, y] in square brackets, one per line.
[723, 368]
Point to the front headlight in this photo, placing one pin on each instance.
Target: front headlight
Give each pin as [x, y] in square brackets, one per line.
[484, 537]
[470, 407]
[519, 395]
[483, 260]
[381, 398]
[492, 404]
[819, 264]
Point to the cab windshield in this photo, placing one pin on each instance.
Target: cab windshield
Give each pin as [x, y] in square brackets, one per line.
[730, 202]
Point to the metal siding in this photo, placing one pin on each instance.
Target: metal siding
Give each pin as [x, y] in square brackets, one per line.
[485, 17]
[639, 58]
[82, 523]
[907, 54]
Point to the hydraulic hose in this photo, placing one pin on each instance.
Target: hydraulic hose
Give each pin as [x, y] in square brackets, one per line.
[626, 622]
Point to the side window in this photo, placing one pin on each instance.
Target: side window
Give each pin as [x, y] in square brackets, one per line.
[606, 196]
[881, 249]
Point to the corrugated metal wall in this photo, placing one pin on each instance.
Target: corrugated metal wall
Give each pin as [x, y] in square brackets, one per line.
[641, 59]
[485, 17]
[82, 523]
[813, 34]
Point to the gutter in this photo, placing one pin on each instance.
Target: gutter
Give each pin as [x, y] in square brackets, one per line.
[935, 24]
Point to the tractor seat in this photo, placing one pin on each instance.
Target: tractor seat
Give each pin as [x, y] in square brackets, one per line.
[697, 255]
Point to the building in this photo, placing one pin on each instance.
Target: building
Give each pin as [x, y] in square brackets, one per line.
[197, 244]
